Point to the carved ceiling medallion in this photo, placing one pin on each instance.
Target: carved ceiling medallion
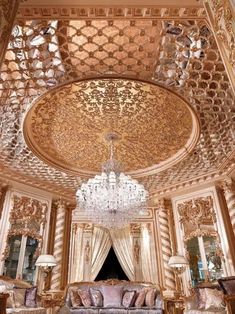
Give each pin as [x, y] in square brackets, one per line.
[66, 127]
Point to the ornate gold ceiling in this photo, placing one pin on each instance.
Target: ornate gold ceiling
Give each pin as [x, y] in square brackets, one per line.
[67, 126]
[168, 46]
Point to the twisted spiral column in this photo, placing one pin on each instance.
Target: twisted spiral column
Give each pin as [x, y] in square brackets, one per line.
[229, 194]
[166, 246]
[58, 246]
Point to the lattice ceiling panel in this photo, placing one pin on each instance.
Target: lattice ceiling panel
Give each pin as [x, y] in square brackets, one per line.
[181, 55]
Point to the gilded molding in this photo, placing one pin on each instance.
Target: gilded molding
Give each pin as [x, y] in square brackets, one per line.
[198, 211]
[111, 12]
[63, 137]
[194, 214]
[221, 16]
[8, 10]
[27, 217]
[135, 228]
[136, 251]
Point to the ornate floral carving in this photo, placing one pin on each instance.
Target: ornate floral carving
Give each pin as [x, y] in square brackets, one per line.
[87, 251]
[196, 215]
[27, 214]
[27, 217]
[201, 233]
[135, 228]
[221, 16]
[136, 251]
[197, 211]
[137, 111]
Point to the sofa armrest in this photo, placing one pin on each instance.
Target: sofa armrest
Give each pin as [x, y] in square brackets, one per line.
[191, 302]
[64, 310]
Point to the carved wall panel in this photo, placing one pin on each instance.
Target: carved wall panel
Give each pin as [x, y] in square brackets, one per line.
[197, 217]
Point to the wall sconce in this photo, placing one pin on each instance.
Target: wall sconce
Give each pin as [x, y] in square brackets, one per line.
[178, 263]
[46, 263]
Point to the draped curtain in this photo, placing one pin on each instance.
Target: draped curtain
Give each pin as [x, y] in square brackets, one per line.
[122, 245]
[101, 244]
[148, 256]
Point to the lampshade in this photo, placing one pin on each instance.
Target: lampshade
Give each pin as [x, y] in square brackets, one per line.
[46, 260]
[177, 261]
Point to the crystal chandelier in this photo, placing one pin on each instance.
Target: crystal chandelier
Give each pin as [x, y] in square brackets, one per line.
[112, 199]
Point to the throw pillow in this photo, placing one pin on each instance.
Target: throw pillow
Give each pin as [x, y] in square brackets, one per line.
[201, 299]
[191, 302]
[139, 302]
[75, 298]
[19, 296]
[85, 297]
[128, 298]
[31, 297]
[3, 289]
[96, 297]
[10, 299]
[214, 299]
[112, 296]
[150, 297]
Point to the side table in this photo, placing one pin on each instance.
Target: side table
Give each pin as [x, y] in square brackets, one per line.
[52, 301]
[174, 305]
[3, 302]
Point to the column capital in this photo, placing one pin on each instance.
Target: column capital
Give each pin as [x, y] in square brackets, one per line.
[227, 185]
[135, 228]
[163, 204]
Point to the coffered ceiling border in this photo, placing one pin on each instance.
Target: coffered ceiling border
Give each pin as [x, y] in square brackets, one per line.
[8, 176]
[99, 12]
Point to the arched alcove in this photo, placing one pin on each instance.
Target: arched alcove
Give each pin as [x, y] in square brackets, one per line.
[111, 268]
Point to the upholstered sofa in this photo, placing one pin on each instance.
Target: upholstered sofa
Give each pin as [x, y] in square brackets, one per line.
[112, 297]
[23, 298]
[206, 299]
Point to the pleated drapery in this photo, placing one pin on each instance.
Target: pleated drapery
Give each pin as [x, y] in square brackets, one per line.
[101, 244]
[122, 245]
[121, 240]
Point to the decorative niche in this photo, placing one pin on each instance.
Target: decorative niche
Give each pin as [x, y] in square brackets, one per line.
[201, 239]
[25, 236]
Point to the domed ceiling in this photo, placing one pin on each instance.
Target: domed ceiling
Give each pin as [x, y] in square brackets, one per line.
[67, 126]
[64, 64]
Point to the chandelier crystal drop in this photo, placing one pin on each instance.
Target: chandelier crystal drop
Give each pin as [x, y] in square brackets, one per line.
[112, 199]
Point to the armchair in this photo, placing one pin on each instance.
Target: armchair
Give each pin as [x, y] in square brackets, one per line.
[227, 284]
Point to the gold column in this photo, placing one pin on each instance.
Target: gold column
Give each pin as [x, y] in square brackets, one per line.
[136, 247]
[163, 219]
[58, 246]
[8, 10]
[221, 16]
